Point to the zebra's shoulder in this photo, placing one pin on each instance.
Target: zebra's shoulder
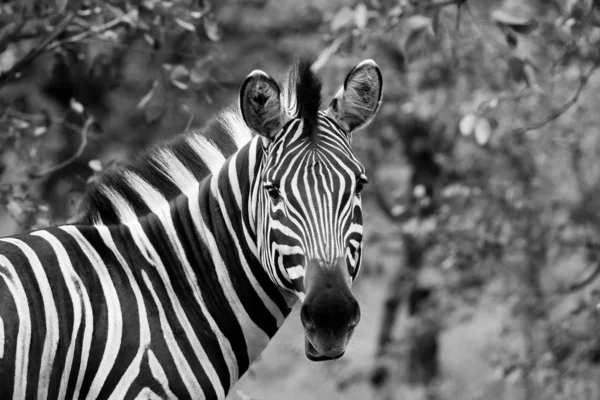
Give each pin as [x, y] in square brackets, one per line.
[168, 168]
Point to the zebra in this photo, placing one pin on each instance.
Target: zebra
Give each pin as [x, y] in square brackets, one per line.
[186, 261]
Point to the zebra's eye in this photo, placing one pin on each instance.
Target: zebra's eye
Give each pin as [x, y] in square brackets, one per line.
[360, 184]
[272, 191]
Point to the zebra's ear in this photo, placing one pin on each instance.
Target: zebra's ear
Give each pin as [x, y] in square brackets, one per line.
[357, 102]
[260, 104]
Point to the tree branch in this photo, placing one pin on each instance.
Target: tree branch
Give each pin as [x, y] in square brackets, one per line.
[444, 3]
[585, 282]
[583, 80]
[94, 30]
[70, 160]
[43, 46]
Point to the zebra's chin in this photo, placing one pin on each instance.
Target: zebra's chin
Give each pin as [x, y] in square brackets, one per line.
[313, 355]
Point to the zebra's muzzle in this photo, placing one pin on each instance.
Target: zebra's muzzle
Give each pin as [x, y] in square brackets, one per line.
[313, 355]
[329, 312]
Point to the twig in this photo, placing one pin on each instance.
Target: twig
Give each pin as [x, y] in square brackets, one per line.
[444, 3]
[189, 123]
[583, 80]
[43, 46]
[573, 42]
[571, 244]
[328, 52]
[94, 30]
[73, 158]
[35, 118]
[459, 7]
[580, 285]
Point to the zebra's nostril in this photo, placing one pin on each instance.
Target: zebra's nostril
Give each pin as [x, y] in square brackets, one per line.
[355, 316]
[306, 318]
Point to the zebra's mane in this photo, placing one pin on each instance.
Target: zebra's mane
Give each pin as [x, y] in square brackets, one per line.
[302, 95]
[168, 167]
[171, 167]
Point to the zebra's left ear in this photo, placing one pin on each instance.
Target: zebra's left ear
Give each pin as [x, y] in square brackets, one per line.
[357, 102]
[260, 104]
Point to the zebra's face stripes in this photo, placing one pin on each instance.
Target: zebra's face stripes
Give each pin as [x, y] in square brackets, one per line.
[309, 213]
[311, 202]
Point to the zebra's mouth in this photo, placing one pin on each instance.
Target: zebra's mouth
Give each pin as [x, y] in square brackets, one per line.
[313, 355]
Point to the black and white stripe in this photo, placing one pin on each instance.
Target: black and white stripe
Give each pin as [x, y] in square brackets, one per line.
[319, 216]
[182, 268]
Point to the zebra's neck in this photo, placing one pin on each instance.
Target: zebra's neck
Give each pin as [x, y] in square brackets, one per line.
[207, 237]
[228, 207]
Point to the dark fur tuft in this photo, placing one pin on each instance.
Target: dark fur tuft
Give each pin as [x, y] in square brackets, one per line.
[308, 94]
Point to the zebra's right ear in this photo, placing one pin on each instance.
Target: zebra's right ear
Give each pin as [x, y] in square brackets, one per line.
[260, 104]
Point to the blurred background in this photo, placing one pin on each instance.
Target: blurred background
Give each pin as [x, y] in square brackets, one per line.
[482, 246]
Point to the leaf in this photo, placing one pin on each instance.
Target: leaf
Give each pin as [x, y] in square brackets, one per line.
[180, 74]
[76, 106]
[518, 24]
[131, 18]
[435, 22]
[211, 28]
[149, 4]
[482, 131]
[154, 102]
[9, 57]
[85, 12]
[398, 210]
[396, 12]
[116, 11]
[343, 18]
[148, 96]
[467, 124]
[578, 9]
[415, 42]
[516, 68]
[511, 39]
[61, 5]
[15, 210]
[185, 25]
[154, 112]
[95, 165]
[40, 130]
[151, 41]
[531, 78]
[361, 16]
[420, 32]
[419, 191]
[200, 73]
[20, 124]
[327, 53]
[418, 23]
[180, 85]
[595, 16]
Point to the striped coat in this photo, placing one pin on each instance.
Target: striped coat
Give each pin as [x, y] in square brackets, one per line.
[182, 268]
[119, 309]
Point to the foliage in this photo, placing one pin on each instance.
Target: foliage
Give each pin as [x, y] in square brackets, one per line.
[73, 54]
[493, 204]
[489, 104]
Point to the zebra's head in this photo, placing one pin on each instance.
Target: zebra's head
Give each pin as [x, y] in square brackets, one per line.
[309, 217]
